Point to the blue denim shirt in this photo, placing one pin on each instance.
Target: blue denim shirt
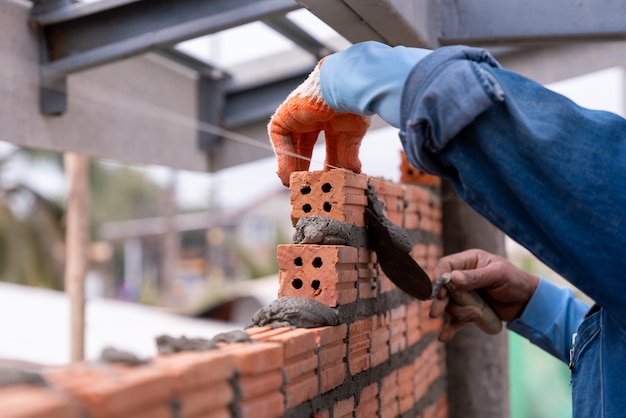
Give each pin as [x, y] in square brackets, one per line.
[548, 173]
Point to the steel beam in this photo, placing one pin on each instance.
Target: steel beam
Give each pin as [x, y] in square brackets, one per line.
[81, 36]
[297, 35]
[77, 41]
[432, 23]
[496, 22]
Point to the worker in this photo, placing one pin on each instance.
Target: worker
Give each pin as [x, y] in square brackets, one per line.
[547, 172]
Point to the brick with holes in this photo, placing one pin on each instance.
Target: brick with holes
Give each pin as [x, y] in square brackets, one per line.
[335, 194]
[326, 273]
[411, 174]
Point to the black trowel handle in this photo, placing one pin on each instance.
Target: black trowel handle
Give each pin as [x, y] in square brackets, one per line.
[489, 323]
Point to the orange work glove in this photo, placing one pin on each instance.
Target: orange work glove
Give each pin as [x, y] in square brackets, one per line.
[296, 124]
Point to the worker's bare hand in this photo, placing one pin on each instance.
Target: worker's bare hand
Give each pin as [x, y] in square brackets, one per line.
[296, 124]
[506, 288]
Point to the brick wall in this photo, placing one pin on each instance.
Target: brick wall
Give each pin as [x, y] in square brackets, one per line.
[383, 360]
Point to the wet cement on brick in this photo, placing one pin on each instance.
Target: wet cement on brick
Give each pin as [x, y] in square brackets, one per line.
[327, 231]
[167, 344]
[295, 312]
[115, 355]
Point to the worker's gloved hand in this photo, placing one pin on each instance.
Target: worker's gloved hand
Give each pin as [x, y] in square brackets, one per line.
[296, 124]
[336, 98]
[505, 287]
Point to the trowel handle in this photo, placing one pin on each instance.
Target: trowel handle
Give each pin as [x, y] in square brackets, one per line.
[489, 323]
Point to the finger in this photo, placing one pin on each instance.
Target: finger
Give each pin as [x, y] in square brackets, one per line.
[486, 277]
[438, 307]
[455, 323]
[342, 150]
[464, 260]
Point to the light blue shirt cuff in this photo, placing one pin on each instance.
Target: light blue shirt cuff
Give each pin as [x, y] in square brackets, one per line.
[552, 315]
[368, 78]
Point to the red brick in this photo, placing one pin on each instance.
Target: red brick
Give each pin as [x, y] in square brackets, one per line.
[326, 273]
[410, 174]
[389, 388]
[389, 395]
[253, 359]
[254, 386]
[368, 402]
[368, 289]
[344, 407]
[325, 335]
[301, 390]
[386, 285]
[215, 396]
[114, 391]
[406, 395]
[367, 409]
[294, 341]
[335, 194]
[413, 325]
[161, 411]
[332, 352]
[322, 414]
[270, 405]
[218, 413]
[297, 366]
[193, 369]
[35, 402]
[332, 376]
[257, 330]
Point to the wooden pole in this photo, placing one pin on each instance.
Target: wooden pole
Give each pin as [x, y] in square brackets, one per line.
[76, 243]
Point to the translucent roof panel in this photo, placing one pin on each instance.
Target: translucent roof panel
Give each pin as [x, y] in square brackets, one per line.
[255, 53]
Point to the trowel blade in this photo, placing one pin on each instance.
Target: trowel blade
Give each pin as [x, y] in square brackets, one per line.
[395, 262]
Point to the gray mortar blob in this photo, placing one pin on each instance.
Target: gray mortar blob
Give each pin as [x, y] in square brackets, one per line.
[327, 231]
[290, 311]
[168, 345]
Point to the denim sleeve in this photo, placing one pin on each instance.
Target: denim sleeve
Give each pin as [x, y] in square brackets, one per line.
[550, 319]
[547, 172]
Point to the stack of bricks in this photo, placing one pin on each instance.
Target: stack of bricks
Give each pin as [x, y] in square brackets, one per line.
[382, 360]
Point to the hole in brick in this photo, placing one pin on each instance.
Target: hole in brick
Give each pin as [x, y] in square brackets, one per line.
[317, 262]
[305, 190]
[306, 208]
[315, 284]
[326, 187]
[296, 283]
[410, 172]
[297, 261]
[327, 207]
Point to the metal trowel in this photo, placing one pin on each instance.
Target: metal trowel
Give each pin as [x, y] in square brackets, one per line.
[393, 245]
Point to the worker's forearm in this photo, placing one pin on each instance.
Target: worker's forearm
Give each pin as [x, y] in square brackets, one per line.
[547, 172]
[368, 79]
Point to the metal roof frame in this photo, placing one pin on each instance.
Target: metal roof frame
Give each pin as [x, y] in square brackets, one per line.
[79, 36]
